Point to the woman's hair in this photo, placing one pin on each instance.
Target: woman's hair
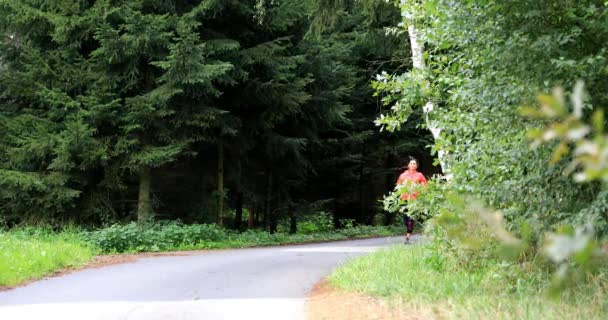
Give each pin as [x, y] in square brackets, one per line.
[414, 159]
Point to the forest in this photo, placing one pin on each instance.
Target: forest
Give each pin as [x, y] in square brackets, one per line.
[240, 113]
[266, 115]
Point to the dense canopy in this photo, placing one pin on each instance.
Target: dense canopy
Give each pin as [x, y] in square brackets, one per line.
[204, 111]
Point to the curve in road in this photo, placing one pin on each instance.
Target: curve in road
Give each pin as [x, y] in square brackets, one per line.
[258, 283]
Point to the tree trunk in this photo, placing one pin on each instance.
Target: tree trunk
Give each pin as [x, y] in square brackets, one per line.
[273, 223]
[361, 189]
[144, 203]
[239, 197]
[418, 61]
[293, 222]
[334, 216]
[256, 214]
[250, 218]
[238, 215]
[267, 209]
[220, 182]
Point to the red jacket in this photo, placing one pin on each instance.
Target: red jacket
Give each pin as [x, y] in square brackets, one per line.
[413, 176]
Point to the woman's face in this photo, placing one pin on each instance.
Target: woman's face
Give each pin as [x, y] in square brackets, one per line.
[412, 165]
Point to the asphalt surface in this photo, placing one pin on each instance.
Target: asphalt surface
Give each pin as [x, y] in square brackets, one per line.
[259, 283]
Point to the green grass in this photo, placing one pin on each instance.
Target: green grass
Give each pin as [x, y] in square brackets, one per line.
[31, 254]
[408, 276]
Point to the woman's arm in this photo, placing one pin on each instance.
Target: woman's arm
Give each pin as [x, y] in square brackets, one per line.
[422, 179]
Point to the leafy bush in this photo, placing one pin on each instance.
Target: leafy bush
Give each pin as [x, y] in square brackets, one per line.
[321, 222]
[258, 238]
[153, 237]
[347, 223]
[135, 237]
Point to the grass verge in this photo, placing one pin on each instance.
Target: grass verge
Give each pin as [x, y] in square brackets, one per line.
[410, 277]
[26, 255]
[31, 253]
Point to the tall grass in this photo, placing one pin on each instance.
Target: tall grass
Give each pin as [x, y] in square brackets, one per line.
[436, 288]
[32, 253]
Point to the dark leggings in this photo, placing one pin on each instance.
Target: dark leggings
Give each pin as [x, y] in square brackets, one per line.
[409, 223]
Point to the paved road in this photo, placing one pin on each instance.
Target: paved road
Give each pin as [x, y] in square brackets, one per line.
[260, 283]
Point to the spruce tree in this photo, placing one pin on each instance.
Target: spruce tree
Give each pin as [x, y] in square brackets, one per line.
[264, 89]
[107, 87]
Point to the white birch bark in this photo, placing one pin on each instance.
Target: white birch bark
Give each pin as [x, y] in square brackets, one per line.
[418, 61]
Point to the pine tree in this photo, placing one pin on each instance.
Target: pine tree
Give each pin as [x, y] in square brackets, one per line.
[48, 136]
[108, 86]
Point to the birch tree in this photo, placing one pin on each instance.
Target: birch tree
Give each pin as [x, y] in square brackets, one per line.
[414, 86]
[418, 63]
